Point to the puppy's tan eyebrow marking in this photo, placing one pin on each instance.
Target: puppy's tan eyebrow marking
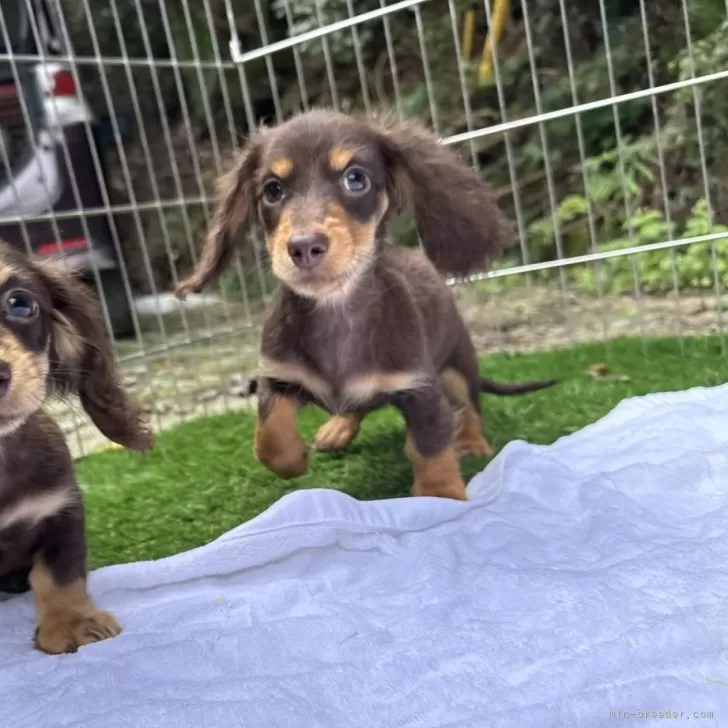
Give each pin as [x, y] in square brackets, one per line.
[282, 167]
[340, 158]
[6, 272]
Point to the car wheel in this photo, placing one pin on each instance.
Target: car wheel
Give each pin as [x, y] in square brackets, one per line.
[117, 303]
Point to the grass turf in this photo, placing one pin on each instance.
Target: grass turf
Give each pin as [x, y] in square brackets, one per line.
[201, 479]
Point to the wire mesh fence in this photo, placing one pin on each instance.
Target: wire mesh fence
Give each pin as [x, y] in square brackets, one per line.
[599, 125]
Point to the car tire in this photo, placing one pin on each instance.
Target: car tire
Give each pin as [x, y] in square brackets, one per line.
[117, 303]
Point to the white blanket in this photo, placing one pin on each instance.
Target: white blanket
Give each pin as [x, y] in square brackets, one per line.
[583, 578]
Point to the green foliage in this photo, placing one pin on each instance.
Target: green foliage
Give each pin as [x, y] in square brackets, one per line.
[620, 173]
[690, 266]
[308, 15]
[709, 55]
[705, 16]
[592, 82]
[615, 180]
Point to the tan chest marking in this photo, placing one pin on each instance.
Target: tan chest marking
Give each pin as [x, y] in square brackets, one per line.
[358, 389]
[367, 386]
[36, 508]
[294, 373]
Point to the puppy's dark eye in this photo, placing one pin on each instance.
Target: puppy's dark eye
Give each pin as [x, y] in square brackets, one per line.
[21, 305]
[356, 181]
[272, 192]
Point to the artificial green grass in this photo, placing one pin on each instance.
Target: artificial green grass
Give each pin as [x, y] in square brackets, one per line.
[202, 480]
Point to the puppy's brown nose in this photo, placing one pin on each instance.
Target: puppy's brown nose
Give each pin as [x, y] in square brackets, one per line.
[307, 250]
[5, 377]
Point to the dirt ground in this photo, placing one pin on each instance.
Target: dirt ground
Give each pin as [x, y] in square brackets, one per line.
[184, 367]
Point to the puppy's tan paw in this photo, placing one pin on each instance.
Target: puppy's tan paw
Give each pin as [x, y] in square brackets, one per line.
[67, 631]
[437, 475]
[289, 461]
[337, 433]
[469, 438]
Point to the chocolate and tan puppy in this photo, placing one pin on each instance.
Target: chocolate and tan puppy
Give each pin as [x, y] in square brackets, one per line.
[52, 338]
[358, 323]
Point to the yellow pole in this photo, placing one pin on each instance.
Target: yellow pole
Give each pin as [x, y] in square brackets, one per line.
[501, 8]
[466, 45]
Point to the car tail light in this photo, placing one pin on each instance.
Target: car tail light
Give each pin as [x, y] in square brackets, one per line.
[63, 84]
[53, 247]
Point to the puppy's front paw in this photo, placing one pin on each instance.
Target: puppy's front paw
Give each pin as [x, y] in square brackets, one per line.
[337, 433]
[288, 461]
[67, 631]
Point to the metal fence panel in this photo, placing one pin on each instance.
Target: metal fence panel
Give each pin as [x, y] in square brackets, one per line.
[192, 79]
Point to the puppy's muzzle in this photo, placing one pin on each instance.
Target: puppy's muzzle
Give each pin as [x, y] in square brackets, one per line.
[307, 250]
[5, 378]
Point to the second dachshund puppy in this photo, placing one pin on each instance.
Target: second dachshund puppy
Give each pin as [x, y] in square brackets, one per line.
[358, 323]
[53, 340]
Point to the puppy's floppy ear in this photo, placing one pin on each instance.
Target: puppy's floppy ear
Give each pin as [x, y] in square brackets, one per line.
[82, 359]
[461, 228]
[234, 212]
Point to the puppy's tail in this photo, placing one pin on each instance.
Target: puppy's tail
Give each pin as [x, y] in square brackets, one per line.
[488, 386]
[509, 388]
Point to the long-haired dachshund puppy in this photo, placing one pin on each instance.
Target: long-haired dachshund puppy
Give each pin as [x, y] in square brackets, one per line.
[52, 338]
[358, 323]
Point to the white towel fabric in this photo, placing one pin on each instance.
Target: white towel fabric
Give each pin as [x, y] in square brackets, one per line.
[583, 578]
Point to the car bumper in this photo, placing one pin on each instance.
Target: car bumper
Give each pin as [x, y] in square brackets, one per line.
[71, 226]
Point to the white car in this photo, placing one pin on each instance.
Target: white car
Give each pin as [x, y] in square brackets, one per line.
[46, 137]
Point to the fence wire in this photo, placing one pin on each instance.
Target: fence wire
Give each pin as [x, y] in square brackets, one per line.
[161, 92]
